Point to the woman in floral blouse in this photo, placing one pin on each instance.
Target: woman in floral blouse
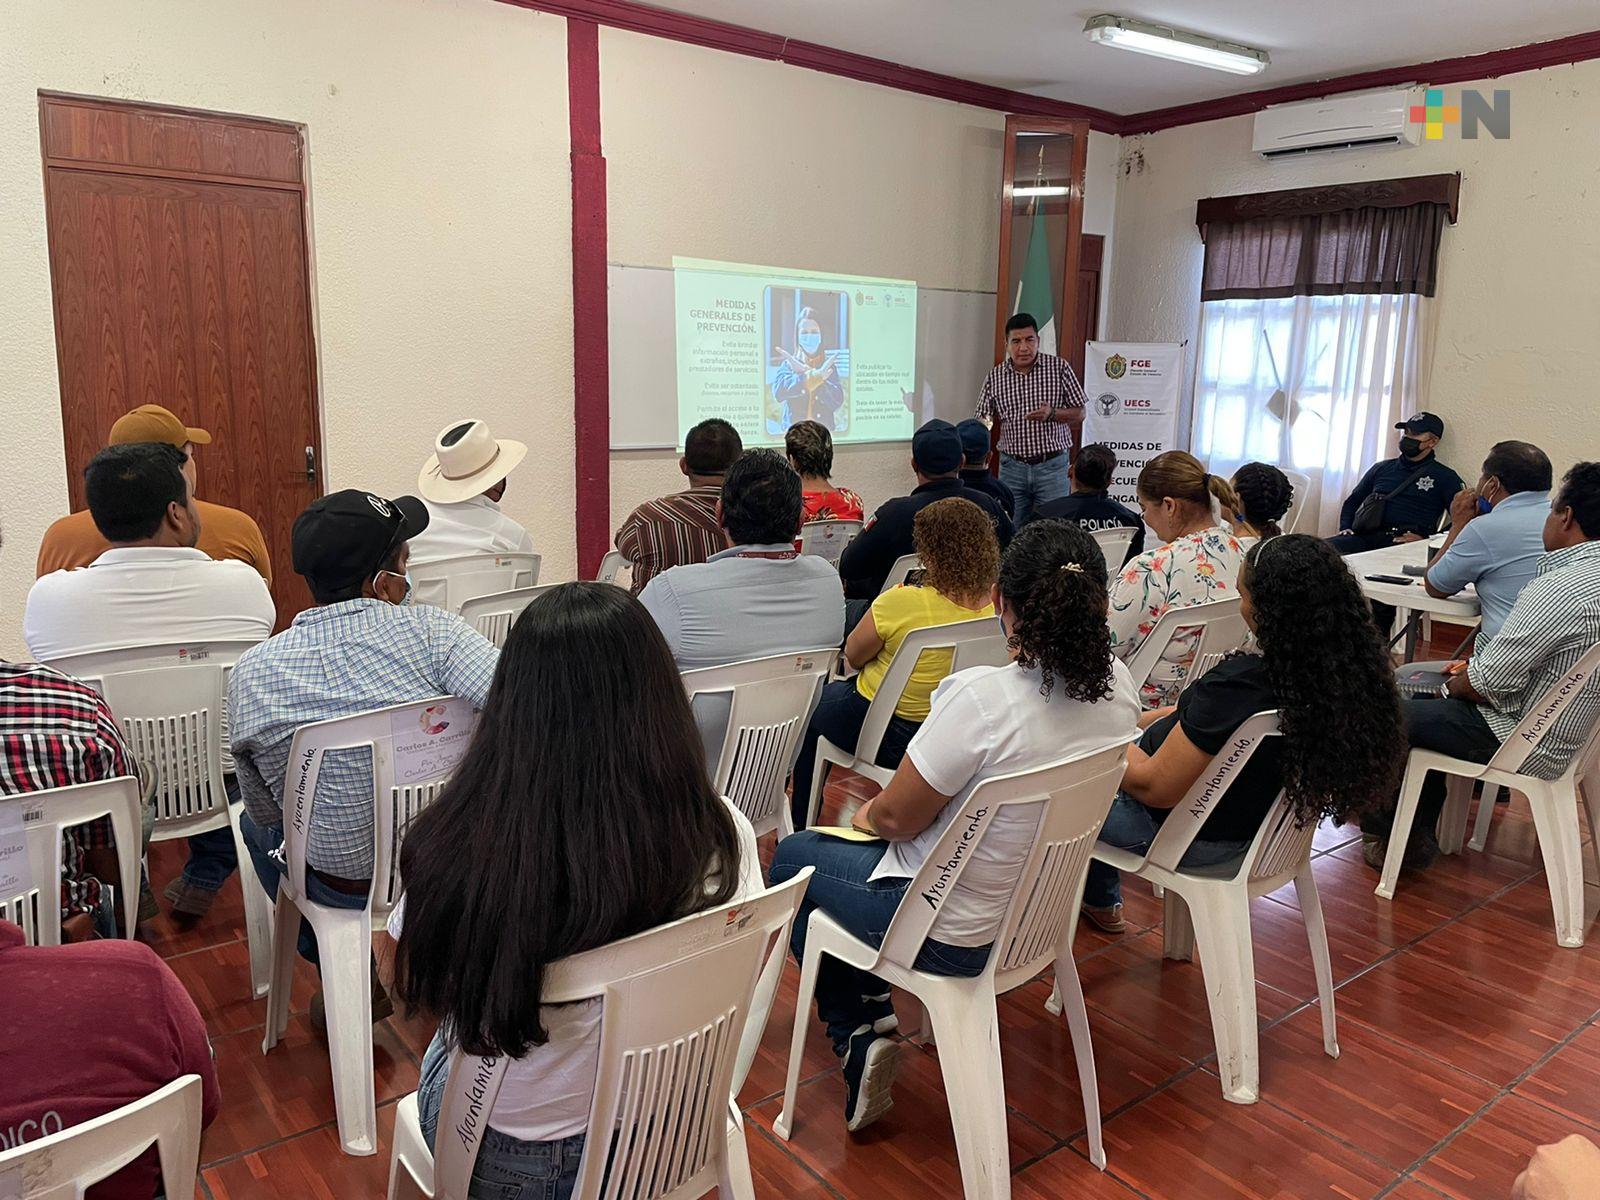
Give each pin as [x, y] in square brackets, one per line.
[810, 449]
[1198, 562]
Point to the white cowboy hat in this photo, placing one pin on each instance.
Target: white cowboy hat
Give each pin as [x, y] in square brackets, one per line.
[467, 461]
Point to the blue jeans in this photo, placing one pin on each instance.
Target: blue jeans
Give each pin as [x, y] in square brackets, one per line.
[261, 841]
[838, 718]
[1033, 484]
[507, 1168]
[847, 997]
[212, 854]
[1131, 825]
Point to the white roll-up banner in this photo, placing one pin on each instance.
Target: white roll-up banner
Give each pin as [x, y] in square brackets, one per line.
[1132, 391]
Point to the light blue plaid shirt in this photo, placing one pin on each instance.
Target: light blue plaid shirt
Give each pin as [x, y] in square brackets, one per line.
[333, 661]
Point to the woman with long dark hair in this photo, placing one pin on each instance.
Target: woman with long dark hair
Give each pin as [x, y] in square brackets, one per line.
[1320, 662]
[581, 814]
[1062, 693]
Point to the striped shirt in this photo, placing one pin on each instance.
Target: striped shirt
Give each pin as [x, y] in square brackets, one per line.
[1011, 395]
[671, 532]
[335, 661]
[1555, 622]
[56, 732]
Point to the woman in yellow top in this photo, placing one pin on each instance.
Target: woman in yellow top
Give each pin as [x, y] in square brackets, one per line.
[961, 559]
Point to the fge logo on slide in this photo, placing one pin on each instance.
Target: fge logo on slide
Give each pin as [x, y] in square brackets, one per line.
[1475, 110]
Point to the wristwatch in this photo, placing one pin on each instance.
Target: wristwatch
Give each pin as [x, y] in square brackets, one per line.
[1444, 690]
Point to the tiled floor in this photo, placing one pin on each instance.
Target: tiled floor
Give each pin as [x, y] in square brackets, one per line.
[1468, 1037]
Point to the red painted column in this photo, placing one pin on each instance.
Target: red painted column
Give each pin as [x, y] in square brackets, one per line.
[591, 376]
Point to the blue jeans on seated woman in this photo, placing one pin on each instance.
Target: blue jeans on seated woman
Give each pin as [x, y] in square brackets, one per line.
[1131, 825]
[838, 718]
[847, 997]
[507, 1167]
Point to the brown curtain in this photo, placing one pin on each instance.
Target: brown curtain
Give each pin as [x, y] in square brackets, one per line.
[1375, 237]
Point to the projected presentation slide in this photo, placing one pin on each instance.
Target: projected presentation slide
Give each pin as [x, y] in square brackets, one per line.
[764, 347]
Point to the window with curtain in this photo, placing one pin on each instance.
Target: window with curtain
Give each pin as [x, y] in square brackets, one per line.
[1314, 329]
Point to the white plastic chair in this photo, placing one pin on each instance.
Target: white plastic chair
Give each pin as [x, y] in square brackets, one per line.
[975, 643]
[900, 571]
[344, 936]
[448, 583]
[1211, 905]
[173, 720]
[494, 615]
[1114, 543]
[1074, 796]
[1215, 627]
[1554, 802]
[827, 539]
[65, 1164]
[36, 907]
[772, 700]
[1302, 491]
[679, 1004]
[611, 566]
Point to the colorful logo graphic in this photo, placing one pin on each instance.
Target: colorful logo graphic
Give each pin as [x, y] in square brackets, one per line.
[1475, 111]
[432, 720]
[1116, 367]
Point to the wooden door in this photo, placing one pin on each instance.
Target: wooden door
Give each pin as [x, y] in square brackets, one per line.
[1086, 311]
[179, 266]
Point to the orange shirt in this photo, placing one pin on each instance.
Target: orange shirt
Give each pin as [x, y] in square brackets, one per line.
[224, 533]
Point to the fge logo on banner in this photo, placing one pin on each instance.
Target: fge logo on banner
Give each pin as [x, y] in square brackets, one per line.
[1475, 111]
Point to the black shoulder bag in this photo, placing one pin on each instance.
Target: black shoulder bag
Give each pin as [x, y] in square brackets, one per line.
[1369, 513]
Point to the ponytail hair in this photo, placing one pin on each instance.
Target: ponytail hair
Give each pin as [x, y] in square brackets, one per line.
[1265, 495]
[1182, 476]
[1053, 580]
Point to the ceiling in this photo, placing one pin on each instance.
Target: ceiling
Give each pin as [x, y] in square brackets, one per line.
[1037, 46]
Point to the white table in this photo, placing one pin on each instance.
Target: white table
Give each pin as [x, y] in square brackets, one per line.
[1410, 599]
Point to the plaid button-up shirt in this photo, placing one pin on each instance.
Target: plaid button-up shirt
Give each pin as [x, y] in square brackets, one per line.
[56, 732]
[335, 661]
[1011, 395]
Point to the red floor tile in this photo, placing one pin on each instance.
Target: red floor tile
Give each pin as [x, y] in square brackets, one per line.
[1483, 1161]
[1068, 1173]
[1570, 1081]
[311, 1166]
[218, 977]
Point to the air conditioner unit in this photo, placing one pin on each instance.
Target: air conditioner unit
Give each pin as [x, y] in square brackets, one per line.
[1356, 120]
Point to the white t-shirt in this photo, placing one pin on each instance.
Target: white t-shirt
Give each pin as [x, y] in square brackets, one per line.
[990, 721]
[547, 1093]
[475, 526]
[145, 596]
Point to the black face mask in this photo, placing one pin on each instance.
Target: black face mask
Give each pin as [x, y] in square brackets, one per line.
[1410, 447]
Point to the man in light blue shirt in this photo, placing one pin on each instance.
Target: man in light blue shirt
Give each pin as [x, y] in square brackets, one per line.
[1495, 540]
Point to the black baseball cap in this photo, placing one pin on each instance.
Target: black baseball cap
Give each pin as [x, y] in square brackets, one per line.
[345, 537]
[936, 448]
[1422, 422]
[974, 439]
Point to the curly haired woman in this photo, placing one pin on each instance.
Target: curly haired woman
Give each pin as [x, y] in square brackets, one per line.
[1322, 665]
[960, 557]
[1062, 694]
[1265, 495]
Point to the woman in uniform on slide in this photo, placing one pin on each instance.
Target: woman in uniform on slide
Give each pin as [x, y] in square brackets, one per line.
[807, 387]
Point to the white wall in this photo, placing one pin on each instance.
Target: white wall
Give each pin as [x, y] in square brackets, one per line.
[1517, 352]
[440, 200]
[697, 166]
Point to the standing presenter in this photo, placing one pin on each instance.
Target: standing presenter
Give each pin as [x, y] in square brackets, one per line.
[1039, 402]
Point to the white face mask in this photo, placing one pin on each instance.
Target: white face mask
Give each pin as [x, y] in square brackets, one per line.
[810, 342]
[406, 600]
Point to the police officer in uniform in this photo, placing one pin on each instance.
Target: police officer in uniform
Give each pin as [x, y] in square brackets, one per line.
[1417, 486]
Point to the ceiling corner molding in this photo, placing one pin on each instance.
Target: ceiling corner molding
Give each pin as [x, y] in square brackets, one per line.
[736, 39]
[1558, 52]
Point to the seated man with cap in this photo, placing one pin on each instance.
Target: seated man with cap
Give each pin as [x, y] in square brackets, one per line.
[462, 484]
[362, 647]
[936, 458]
[225, 533]
[1400, 499]
[975, 473]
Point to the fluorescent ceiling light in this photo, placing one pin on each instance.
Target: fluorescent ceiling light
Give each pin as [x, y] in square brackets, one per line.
[1036, 190]
[1163, 41]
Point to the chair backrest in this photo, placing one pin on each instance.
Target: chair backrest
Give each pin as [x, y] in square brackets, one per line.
[64, 1164]
[172, 718]
[1542, 718]
[1221, 631]
[448, 583]
[1074, 795]
[676, 1000]
[415, 748]
[772, 701]
[1301, 482]
[974, 643]
[1280, 844]
[494, 615]
[31, 825]
[611, 566]
[827, 539]
[901, 571]
[1114, 543]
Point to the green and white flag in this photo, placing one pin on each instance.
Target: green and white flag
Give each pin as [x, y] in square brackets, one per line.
[1035, 293]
